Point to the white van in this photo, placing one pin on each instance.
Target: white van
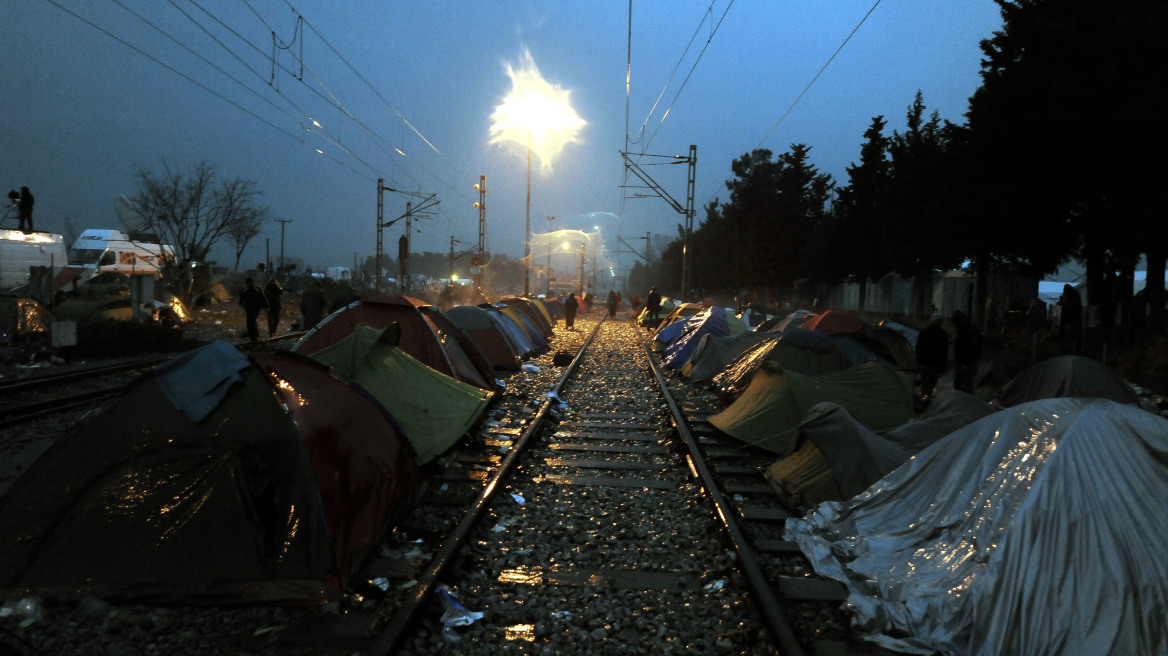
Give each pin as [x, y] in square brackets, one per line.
[20, 251]
[100, 251]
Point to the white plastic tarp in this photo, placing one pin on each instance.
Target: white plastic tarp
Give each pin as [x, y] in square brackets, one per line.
[1038, 530]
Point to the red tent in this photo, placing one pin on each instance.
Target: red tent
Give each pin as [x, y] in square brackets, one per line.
[835, 322]
[435, 342]
[478, 325]
[215, 477]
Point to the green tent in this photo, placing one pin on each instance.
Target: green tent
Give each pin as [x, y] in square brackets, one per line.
[433, 409]
[769, 411]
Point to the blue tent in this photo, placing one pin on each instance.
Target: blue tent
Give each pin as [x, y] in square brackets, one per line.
[711, 321]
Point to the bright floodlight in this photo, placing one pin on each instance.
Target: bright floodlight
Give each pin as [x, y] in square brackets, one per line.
[535, 115]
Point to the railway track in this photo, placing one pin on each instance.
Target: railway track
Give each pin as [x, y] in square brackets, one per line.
[595, 511]
[615, 521]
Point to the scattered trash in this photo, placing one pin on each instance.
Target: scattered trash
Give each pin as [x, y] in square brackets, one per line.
[381, 583]
[562, 614]
[500, 527]
[530, 367]
[518, 499]
[408, 584]
[456, 614]
[714, 585]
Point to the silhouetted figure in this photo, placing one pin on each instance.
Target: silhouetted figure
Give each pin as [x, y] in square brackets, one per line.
[273, 291]
[612, 304]
[966, 352]
[312, 304]
[932, 353]
[344, 296]
[571, 305]
[1071, 315]
[653, 307]
[24, 209]
[252, 299]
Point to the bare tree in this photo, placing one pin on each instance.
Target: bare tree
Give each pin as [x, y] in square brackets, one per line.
[192, 211]
[242, 231]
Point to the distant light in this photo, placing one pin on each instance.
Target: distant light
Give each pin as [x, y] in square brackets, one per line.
[320, 151]
[316, 123]
[567, 245]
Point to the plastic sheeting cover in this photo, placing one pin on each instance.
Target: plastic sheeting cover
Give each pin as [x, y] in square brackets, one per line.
[1038, 530]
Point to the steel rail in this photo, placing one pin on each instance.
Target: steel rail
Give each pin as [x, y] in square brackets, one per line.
[768, 604]
[402, 620]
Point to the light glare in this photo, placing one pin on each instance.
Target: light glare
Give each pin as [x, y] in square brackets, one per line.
[536, 114]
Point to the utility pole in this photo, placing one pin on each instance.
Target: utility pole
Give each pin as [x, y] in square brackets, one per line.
[452, 243]
[403, 244]
[582, 246]
[282, 222]
[687, 211]
[477, 262]
[527, 228]
[548, 273]
[403, 259]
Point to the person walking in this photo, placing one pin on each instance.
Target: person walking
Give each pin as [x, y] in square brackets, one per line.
[612, 303]
[571, 305]
[24, 209]
[653, 307]
[932, 351]
[966, 352]
[312, 303]
[252, 299]
[273, 291]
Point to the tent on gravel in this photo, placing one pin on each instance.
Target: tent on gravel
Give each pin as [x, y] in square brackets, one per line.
[534, 311]
[838, 457]
[770, 410]
[714, 353]
[425, 334]
[536, 336]
[433, 410]
[216, 477]
[477, 323]
[512, 329]
[711, 321]
[555, 308]
[1039, 529]
[799, 350]
[1066, 376]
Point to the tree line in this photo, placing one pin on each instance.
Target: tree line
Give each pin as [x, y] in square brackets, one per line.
[1057, 160]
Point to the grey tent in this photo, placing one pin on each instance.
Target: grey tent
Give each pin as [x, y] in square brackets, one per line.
[838, 457]
[1071, 376]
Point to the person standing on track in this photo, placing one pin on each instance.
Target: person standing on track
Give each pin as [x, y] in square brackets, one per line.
[612, 303]
[571, 305]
